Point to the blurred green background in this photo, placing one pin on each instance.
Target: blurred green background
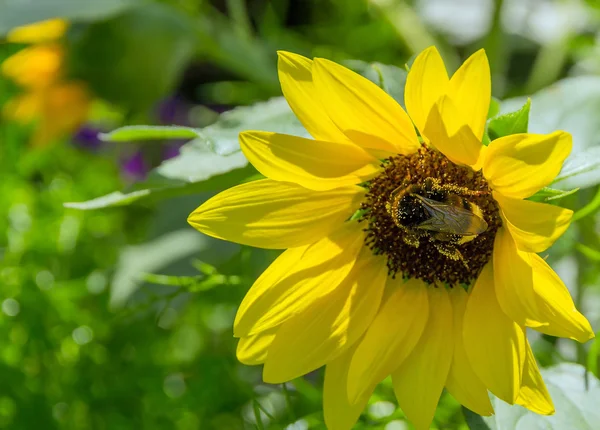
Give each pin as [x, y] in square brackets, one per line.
[115, 314]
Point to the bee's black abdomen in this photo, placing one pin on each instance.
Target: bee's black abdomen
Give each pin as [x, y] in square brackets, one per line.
[411, 212]
[437, 195]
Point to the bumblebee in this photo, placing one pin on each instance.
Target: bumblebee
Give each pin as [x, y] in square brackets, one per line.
[440, 214]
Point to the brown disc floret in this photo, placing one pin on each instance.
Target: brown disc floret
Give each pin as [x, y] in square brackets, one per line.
[423, 260]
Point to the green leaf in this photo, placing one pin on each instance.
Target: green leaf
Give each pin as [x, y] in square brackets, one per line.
[273, 115]
[204, 268]
[151, 256]
[197, 163]
[157, 187]
[590, 253]
[474, 421]
[116, 198]
[193, 284]
[575, 393]
[589, 209]
[510, 123]
[256, 408]
[486, 138]
[135, 58]
[212, 282]
[16, 13]
[572, 105]
[222, 136]
[581, 169]
[494, 107]
[171, 281]
[149, 132]
[211, 161]
[288, 402]
[547, 194]
[390, 78]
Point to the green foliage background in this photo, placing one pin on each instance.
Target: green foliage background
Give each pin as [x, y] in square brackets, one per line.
[117, 315]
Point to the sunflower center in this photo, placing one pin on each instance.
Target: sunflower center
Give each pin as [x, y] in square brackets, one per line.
[432, 219]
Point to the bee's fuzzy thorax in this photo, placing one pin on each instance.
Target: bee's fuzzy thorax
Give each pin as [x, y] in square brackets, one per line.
[427, 259]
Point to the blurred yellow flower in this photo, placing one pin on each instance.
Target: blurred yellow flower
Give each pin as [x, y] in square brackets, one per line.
[57, 106]
[35, 67]
[44, 31]
[423, 267]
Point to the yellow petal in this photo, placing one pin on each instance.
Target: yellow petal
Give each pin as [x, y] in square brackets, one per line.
[462, 382]
[534, 226]
[420, 379]
[252, 350]
[38, 32]
[556, 306]
[479, 164]
[313, 164]
[471, 90]
[339, 413]
[297, 279]
[331, 325]
[513, 280]
[495, 345]
[275, 215]
[534, 394]
[531, 293]
[24, 108]
[519, 165]
[34, 67]
[295, 76]
[448, 131]
[365, 113]
[276, 271]
[391, 336]
[426, 82]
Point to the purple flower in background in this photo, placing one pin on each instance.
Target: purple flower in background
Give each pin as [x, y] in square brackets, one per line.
[172, 149]
[173, 111]
[219, 108]
[137, 160]
[135, 167]
[88, 137]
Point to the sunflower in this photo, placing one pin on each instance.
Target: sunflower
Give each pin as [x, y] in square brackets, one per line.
[57, 105]
[410, 255]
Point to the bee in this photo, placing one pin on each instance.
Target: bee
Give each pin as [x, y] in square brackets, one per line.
[438, 213]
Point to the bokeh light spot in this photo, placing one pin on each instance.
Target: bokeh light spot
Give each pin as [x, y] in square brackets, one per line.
[83, 335]
[11, 307]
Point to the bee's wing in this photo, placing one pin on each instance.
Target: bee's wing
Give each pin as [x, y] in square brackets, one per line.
[451, 219]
